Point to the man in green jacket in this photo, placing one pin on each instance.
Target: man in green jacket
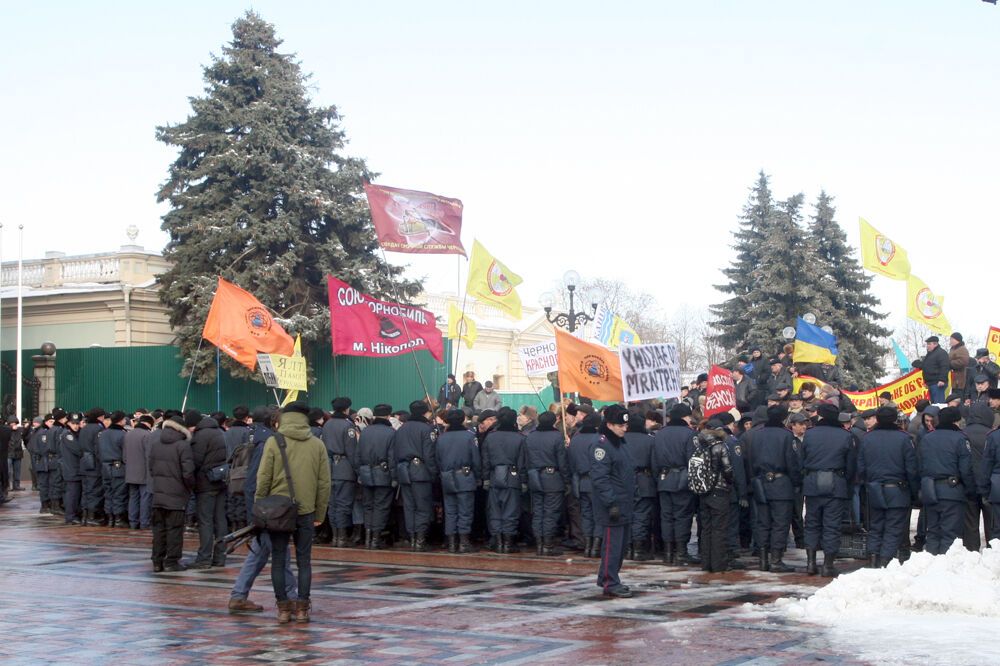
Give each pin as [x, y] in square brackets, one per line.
[310, 472]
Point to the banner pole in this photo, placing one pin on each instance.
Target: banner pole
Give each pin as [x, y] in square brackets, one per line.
[395, 294]
[218, 380]
[191, 376]
[542, 402]
[562, 408]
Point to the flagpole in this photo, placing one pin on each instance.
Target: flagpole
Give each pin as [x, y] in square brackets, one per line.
[191, 376]
[395, 294]
[218, 380]
[18, 392]
[536, 391]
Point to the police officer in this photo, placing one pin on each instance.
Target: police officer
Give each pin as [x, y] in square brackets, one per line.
[70, 452]
[110, 445]
[946, 480]
[887, 466]
[376, 472]
[548, 476]
[798, 423]
[612, 474]
[458, 458]
[640, 449]
[38, 446]
[53, 451]
[738, 493]
[504, 474]
[989, 486]
[775, 472]
[579, 464]
[90, 467]
[416, 469]
[340, 436]
[829, 460]
[672, 447]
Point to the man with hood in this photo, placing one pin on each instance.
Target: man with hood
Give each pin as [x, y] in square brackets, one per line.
[775, 473]
[505, 475]
[829, 459]
[110, 449]
[946, 480]
[416, 470]
[458, 458]
[171, 470]
[578, 454]
[978, 424]
[887, 466]
[310, 472]
[548, 477]
[640, 449]
[208, 450]
[613, 476]
[673, 445]
[377, 474]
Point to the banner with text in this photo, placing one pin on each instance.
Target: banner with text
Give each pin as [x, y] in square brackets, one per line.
[993, 343]
[650, 371]
[721, 393]
[539, 359]
[906, 391]
[364, 326]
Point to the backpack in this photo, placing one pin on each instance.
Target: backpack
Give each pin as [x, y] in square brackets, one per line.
[239, 464]
[702, 477]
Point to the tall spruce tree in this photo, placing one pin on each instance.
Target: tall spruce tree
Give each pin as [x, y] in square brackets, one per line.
[854, 317]
[262, 195]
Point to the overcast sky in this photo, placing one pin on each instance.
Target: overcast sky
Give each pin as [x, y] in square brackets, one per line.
[618, 139]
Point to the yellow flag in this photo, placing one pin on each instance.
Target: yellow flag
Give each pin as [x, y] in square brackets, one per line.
[491, 281]
[460, 327]
[881, 255]
[291, 396]
[926, 307]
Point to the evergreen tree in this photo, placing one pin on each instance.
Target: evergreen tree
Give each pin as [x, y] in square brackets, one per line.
[854, 316]
[262, 194]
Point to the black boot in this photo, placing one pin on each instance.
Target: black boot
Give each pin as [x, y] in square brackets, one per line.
[878, 563]
[512, 544]
[420, 545]
[683, 558]
[502, 544]
[465, 544]
[630, 551]
[777, 566]
[452, 543]
[828, 569]
[641, 554]
[85, 517]
[873, 561]
[112, 520]
[413, 542]
[811, 562]
[377, 543]
[357, 534]
[549, 548]
[669, 555]
[588, 545]
[44, 508]
[765, 561]
[598, 542]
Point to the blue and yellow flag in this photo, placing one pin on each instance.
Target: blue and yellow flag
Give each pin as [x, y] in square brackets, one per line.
[813, 344]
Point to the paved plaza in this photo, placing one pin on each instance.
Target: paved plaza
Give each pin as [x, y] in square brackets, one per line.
[88, 595]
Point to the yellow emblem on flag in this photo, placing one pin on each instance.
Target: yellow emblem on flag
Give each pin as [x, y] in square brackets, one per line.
[491, 281]
[926, 307]
[881, 255]
[460, 327]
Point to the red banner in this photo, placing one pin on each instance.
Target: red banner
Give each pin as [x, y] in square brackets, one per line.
[721, 394]
[418, 222]
[364, 326]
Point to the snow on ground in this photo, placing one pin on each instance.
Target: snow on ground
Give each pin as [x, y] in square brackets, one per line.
[931, 610]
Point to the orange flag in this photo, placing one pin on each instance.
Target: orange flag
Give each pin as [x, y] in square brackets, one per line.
[588, 369]
[241, 326]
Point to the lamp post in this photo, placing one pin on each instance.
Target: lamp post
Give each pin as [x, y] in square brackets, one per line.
[569, 320]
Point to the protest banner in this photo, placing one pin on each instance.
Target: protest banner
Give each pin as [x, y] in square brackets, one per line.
[364, 326]
[588, 369]
[721, 393]
[539, 359]
[905, 391]
[993, 343]
[241, 327]
[412, 221]
[650, 371]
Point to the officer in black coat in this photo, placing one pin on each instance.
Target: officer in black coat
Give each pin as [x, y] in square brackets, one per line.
[416, 470]
[70, 452]
[978, 425]
[90, 467]
[612, 473]
[340, 436]
[548, 477]
[989, 478]
[377, 472]
[640, 449]
[579, 464]
[775, 473]
[672, 447]
[887, 466]
[110, 446]
[53, 453]
[458, 458]
[738, 499]
[38, 447]
[505, 475]
[946, 480]
[829, 460]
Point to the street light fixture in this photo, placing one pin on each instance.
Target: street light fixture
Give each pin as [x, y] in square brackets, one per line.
[569, 320]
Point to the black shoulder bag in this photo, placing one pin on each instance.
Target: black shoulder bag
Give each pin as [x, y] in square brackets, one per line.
[277, 513]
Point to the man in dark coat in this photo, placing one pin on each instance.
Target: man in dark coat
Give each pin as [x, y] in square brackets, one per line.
[978, 424]
[208, 450]
[171, 468]
[613, 476]
[946, 480]
[958, 361]
[936, 367]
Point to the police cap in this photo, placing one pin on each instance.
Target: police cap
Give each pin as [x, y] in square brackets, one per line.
[615, 415]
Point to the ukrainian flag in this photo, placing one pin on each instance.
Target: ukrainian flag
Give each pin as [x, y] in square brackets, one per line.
[813, 344]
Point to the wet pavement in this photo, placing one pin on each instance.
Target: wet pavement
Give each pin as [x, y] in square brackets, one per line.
[88, 595]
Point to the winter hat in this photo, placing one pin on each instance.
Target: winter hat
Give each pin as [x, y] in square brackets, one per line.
[487, 414]
[546, 421]
[776, 415]
[982, 352]
[419, 408]
[949, 416]
[616, 415]
[340, 404]
[296, 407]
[957, 336]
[382, 410]
[192, 417]
[703, 377]
[636, 423]
[993, 394]
[886, 416]
[828, 412]
[679, 411]
[455, 418]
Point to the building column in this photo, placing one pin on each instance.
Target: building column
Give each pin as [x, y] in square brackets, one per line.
[45, 372]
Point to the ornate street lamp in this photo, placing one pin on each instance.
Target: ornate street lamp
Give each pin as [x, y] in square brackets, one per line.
[569, 320]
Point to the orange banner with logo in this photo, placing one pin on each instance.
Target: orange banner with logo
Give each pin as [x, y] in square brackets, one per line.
[240, 325]
[588, 369]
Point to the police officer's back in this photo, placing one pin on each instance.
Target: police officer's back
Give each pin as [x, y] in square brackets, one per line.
[946, 480]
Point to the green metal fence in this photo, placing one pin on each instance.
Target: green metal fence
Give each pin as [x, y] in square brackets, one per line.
[131, 377]
[8, 382]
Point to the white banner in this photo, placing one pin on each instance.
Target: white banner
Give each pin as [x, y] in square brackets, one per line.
[539, 359]
[650, 371]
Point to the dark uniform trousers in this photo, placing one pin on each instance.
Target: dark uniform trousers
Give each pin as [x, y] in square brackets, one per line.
[418, 506]
[994, 519]
[587, 526]
[822, 525]
[642, 515]
[733, 529]
[887, 530]
[504, 510]
[546, 509]
[574, 516]
[676, 512]
[713, 518]
[944, 524]
[615, 538]
[342, 494]
[970, 536]
[773, 519]
[212, 522]
[71, 500]
[93, 492]
[168, 536]
[115, 490]
[56, 484]
[798, 523]
[44, 486]
[378, 504]
[458, 510]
